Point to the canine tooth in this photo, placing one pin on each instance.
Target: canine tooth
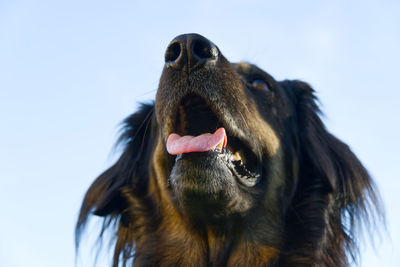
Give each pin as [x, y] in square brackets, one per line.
[237, 156]
[220, 145]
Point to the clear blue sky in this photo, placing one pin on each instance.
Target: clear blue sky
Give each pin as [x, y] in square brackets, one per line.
[70, 71]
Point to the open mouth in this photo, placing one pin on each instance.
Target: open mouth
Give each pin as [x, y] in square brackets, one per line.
[197, 129]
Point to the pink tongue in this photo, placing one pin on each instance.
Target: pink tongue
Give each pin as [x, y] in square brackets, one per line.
[177, 144]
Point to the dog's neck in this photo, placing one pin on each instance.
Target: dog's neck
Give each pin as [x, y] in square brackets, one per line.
[237, 249]
[178, 243]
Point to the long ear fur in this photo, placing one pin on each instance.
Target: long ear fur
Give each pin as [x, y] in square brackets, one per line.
[335, 193]
[116, 188]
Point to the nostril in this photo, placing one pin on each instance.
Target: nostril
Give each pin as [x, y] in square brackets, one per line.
[188, 52]
[203, 49]
[173, 52]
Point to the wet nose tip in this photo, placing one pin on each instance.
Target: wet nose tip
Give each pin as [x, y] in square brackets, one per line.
[190, 51]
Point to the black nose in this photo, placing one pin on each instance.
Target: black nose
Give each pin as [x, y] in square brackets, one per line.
[189, 52]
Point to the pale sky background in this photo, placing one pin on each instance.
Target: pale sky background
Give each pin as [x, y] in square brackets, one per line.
[71, 71]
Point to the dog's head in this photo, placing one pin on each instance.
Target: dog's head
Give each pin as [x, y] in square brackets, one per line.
[221, 127]
[226, 146]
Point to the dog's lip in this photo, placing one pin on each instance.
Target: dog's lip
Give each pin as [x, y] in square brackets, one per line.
[239, 170]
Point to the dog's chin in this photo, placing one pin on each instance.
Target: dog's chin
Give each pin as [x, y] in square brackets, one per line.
[205, 186]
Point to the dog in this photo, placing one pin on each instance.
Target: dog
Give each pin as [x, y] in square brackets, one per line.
[229, 167]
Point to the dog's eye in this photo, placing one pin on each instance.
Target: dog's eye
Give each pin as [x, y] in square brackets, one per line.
[260, 84]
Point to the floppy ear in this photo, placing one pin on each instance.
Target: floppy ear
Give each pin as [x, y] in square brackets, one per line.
[326, 156]
[335, 192]
[107, 195]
